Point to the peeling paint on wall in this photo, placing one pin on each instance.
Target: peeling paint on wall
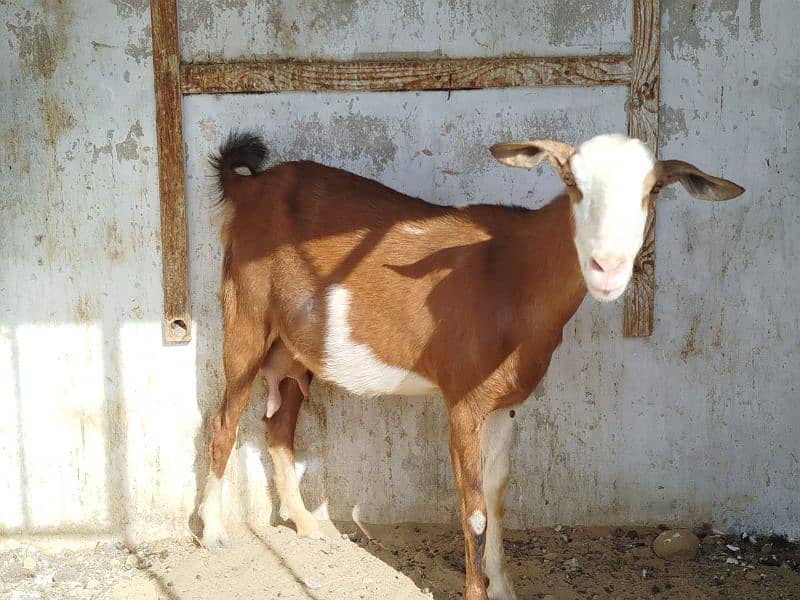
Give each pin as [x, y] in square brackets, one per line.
[42, 41]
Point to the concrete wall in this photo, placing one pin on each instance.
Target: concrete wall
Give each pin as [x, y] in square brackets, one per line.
[102, 427]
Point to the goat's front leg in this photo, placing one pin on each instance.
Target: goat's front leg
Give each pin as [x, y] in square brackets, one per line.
[465, 452]
[496, 442]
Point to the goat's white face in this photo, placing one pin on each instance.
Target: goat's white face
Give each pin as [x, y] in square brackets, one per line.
[613, 175]
[611, 180]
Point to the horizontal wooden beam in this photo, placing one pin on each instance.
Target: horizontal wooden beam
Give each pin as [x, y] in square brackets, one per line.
[404, 74]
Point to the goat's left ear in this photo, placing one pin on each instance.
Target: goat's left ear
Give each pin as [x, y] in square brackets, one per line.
[697, 183]
[530, 153]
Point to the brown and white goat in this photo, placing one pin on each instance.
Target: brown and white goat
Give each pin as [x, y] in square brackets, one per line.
[331, 274]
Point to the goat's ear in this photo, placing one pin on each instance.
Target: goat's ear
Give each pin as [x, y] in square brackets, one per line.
[530, 153]
[697, 183]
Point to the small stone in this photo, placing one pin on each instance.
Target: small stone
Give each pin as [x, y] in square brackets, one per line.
[29, 562]
[752, 576]
[632, 534]
[312, 583]
[131, 561]
[92, 584]
[676, 544]
[44, 578]
[766, 548]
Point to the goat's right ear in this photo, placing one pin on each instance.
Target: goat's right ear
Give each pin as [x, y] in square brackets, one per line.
[698, 183]
[530, 153]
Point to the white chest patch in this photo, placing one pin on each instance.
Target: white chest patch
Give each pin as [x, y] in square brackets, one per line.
[354, 366]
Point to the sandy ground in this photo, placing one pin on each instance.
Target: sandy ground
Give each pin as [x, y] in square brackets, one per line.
[403, 562]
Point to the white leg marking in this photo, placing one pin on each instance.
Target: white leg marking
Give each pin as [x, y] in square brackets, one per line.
[477, 521]
[497, 439]
[211, 512]
[292, 506]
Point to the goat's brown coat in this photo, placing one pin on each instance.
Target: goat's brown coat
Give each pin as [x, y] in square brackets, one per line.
[495, 283]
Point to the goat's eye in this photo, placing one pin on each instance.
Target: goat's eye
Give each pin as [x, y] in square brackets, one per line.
[656, 189]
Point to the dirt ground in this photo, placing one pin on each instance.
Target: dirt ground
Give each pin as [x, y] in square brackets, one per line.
[404, 562]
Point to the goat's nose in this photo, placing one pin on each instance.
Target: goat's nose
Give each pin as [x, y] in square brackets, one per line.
[607, 264]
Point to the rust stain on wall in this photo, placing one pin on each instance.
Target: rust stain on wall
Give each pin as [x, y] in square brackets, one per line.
[40, 45]
[113, 242]
[83, 310]
[690, 342]
[56, 119]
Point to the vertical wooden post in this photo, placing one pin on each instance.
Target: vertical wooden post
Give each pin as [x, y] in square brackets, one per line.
[643, 124]
[166, 73]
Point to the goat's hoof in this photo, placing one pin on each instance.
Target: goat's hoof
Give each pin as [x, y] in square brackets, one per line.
[501, 589]
[283, 513]
[309, 530]
[215, 540]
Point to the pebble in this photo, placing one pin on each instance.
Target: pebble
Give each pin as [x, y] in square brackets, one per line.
[44, 578]
[676, 544]
[752, 576]
[29, 562]
[92, 584]
[311, 583]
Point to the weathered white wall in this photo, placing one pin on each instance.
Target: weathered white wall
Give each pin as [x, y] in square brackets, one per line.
[101, 427]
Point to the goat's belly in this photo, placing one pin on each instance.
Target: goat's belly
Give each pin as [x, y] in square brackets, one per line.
[374, 378]
[354, 365]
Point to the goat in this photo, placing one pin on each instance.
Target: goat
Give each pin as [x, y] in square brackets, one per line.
[329, 274]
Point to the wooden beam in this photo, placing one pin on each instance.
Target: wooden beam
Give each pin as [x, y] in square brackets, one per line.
[166, 73]
[404, 74]
[643, 124]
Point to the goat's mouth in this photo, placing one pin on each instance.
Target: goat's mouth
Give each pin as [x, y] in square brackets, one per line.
[607, 294]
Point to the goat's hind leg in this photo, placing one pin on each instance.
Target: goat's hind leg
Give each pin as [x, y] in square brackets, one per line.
[243, 352]
[280, 441]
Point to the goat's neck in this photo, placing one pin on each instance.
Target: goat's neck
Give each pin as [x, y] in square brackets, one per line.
[553, 283]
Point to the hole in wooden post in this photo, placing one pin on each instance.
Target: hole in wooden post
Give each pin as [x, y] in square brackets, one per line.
[177, 331]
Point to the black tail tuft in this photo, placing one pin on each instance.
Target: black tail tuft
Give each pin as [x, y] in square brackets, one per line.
[240, 149]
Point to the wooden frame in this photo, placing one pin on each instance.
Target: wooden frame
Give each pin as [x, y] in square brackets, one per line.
[639, 70]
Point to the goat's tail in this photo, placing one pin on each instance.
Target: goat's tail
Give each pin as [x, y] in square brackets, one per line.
[239, 152]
